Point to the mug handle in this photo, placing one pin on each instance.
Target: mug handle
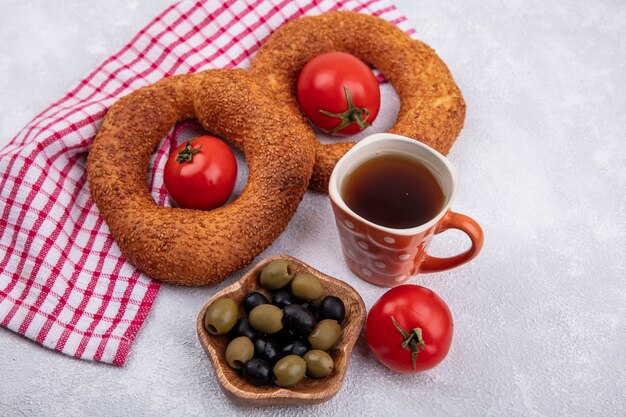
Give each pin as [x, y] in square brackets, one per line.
[465, 224]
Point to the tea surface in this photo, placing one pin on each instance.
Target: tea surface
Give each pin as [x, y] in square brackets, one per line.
[393, 191]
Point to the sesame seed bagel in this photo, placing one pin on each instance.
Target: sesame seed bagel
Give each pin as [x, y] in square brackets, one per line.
[193, 247]
[432, 108]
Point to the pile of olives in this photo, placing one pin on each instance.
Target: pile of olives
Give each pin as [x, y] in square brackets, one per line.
[283, 340]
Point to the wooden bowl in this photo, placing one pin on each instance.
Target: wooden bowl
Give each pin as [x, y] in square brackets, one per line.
[309, 390]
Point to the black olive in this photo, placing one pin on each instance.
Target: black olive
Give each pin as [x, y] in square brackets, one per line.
[297, 347]
[254, 299]
[282, 298]
[299, 318]
[311, 307]
[257, 372]
[265, 348]
[286, 336]
[242, 328]
[332, 308]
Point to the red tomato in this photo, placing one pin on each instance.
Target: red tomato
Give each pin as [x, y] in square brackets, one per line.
[409, 329]
[201, 173]
[338, 93]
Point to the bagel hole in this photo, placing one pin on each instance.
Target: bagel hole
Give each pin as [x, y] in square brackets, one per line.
[188, 130]
[242, 174]
[387, 115]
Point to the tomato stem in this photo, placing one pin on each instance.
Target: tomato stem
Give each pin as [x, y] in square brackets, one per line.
[353, 114]
[413, 340]
[186, 155]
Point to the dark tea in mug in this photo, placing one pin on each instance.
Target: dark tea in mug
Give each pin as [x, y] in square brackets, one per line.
[394, 191]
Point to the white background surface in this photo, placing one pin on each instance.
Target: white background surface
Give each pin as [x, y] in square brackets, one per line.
[539, 315]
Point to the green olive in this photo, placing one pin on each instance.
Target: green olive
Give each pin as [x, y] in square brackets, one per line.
[239, 351]
[276, 274]
[325, 334]
[289, 371]
[266, 318]
[307, 287]
[319, 364]
[221, 316]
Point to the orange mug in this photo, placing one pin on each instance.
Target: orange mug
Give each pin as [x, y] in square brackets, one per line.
[386, 256]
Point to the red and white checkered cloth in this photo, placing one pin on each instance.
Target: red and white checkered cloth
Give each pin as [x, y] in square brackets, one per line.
[63, 281]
